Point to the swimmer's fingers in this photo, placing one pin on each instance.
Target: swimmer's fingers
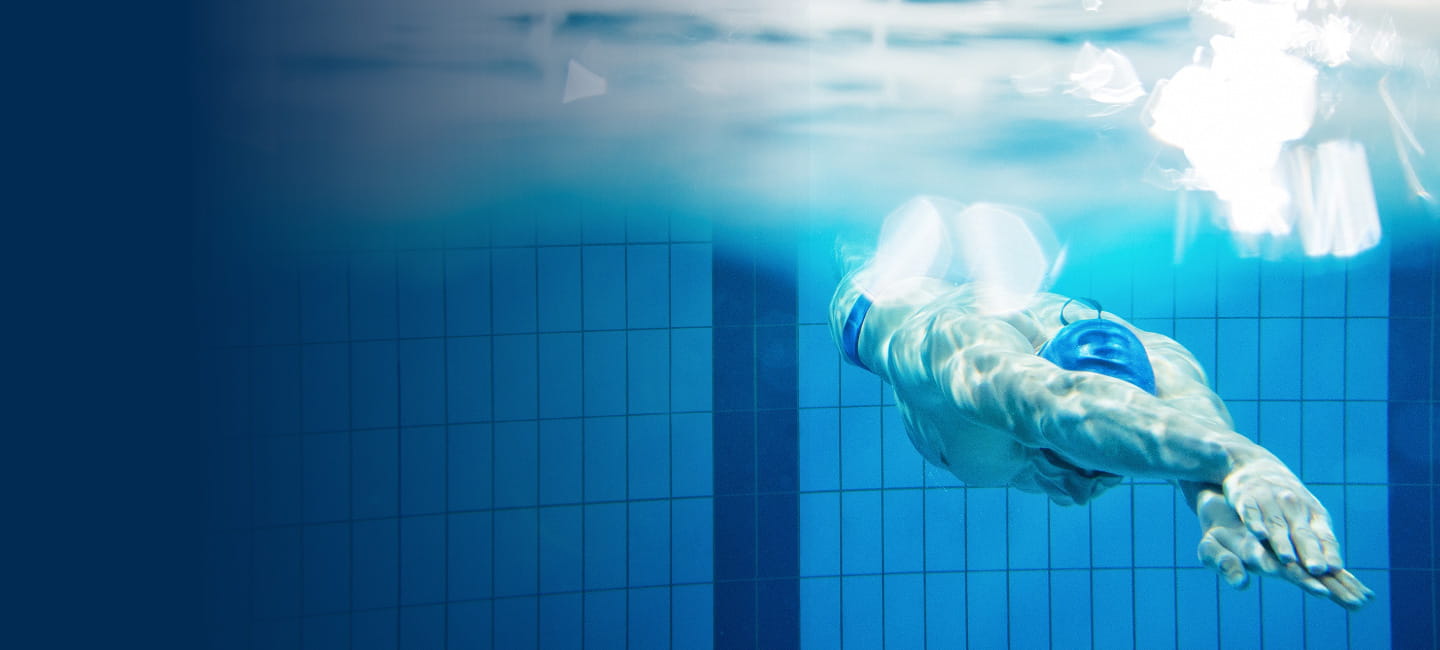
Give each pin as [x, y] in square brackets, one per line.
[1215, 555]
[1312, 585]
[1320, 523]
[1249, 549]
[1345, 590]
[1301, 512]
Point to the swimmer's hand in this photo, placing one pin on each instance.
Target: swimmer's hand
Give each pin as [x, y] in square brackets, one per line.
[1277, 508]
[1230, 548]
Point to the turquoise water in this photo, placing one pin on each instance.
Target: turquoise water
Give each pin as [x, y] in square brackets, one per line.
[494, 369]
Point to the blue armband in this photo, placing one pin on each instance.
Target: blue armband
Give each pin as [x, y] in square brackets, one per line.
[850, 335]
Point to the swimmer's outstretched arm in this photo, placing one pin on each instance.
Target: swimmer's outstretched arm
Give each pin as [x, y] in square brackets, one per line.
[1107, 424]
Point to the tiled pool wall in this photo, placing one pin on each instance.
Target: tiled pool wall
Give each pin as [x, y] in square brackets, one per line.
[600, 430]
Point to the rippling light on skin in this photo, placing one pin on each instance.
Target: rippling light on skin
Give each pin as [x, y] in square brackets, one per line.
[1105, 76]
[1238, 115]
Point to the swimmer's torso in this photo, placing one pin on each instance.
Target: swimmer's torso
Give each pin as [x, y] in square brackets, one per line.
[912, 327]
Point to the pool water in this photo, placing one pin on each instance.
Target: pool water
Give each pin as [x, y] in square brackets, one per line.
[497, 369]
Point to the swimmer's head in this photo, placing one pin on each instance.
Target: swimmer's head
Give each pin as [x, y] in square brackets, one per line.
[1106, 347]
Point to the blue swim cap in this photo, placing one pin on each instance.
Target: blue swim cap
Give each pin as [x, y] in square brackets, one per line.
[1106, 347]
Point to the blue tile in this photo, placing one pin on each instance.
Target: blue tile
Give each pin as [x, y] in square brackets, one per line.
[1028, 519]
[516, 389]
[422, 232]
[648, 371]
[860, 448]
[603, 287]
[1197, 614]
[468, 393]
[604, 455]
[733, 275]
[690, 285]
[605, 546]
[605, 619]
[735, 541]
[693, 623]
[470, 625]
[1280, 354]
[375, 569]
[904, 532]
[648, 543]
[945, 525]
[649, 457]
[326, 481]
[517, 473]
[691, 455]
[649, 624]
[647, 290]
[860, 611]
[1323, 628]
[777, 530]
[1155, 607]
[467, 293]
[604, 373]
[326, 568]
[1324, 376]
[1070, 607]
[421, 298]
[1069, 536]
[515, 229]
[1155, 291]
[820, 613]
[325, 632]
[561, 464]
[276, 635]
[1113, 607]
[562, 621]
[514, 303]
[1283, 625]
[1030, 593]
[858, 387]
[819, 367]
[1366, 361]
[1280, 290]
[734, 376]
[1368, 285]
[819, 449]
[690, 369]
[277, 573]
[775, 370]
[325, 388]
[559, 283]
[376, 473]
[986, 615]
[1280, 431]
[422, 560]
[516, 622]
[422, 382]
[1112, 534]
[1366, 448]
[422, 628]
[374, 384]
[277, 482]
[560, 382]
[861, 524]
[1366, 532]
[561, 549]
[275, 303]
[372, 296]
[1237, 358]
[517, 541]
[904, 597]
[691, 225]
[815, 277]
[902, 465]
[692, 540]
[601, 224]
[1241, 294]
[1373, 622]
[1240, 616]
[1154, 525]
[469, 466]
[1324, 292]
[1323, 449]
[945, 610]
[776, 451]
[1412, 614]
[324, 299]
[276, 385]
[734, 449]
[422, 470]
[820, 534]
[1410, 372]
[375, 629]
[230, 372]
[469, 555]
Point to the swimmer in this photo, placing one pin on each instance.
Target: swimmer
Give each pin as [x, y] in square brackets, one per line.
[1058, 397]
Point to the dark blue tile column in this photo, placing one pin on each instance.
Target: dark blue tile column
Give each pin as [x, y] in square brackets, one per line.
[1414, 437]
[757, 591]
